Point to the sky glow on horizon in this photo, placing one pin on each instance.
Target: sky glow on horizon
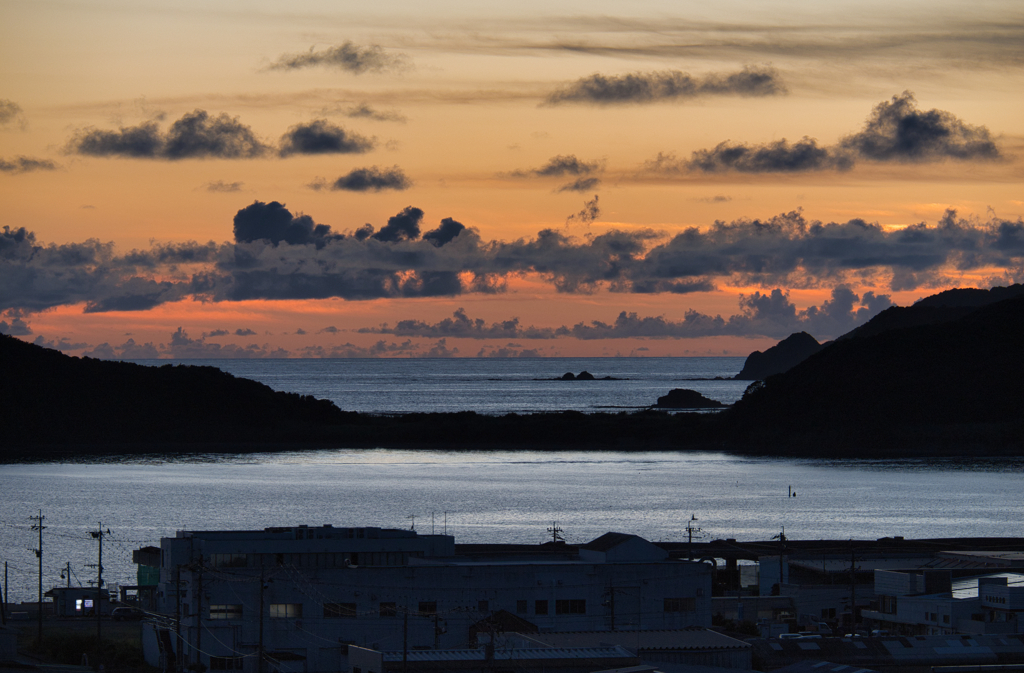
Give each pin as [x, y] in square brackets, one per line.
[554, 179]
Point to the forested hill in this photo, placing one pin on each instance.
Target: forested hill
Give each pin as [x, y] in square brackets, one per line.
[957, 383]
[48, 397]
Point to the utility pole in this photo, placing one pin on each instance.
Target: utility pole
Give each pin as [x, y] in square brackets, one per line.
[781, 537]
[177, 619]
[611, 602]
[853, 587]
[556, 533]
[98, 604]
[263, 586]
[690, 530]
[199, 615]
[39, 555]
[3, 599]
[405, 640]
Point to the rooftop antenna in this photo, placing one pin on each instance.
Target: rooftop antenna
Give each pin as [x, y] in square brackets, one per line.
[690, 530]
[431, 522]
[556, 533]
[413, 517]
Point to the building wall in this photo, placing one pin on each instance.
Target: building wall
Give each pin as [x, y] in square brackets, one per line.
[313, 606]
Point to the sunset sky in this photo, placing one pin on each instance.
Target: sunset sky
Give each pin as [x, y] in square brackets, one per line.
[400, 179]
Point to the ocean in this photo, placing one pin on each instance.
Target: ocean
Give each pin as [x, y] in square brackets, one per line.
[489, 385]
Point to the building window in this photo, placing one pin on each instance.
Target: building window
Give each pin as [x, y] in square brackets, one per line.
[228, 560]
[571, 606]
[481, 606]
[286, 610]
[521, 607]
[225, 612]
[540, 607]
[428, 607]
[680, 605]
[388, 610]
[339, 610]
[945, 619]
[226, 663]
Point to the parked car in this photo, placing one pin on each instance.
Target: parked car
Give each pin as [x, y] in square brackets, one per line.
[126, 614]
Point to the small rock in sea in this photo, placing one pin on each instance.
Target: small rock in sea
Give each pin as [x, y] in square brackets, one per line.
[568, 376]
[585, 376]
[683, 398]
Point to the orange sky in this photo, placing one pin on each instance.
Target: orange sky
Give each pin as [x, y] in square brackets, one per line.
[133, 133]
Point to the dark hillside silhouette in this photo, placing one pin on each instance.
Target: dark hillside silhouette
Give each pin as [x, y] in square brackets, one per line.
[49, 397]
[935, 310]
[926, 385]
[781, 357]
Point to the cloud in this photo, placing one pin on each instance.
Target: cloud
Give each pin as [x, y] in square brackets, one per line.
[129, 350]
[10, 113]
[346, 56]
[896, 131]
[196, 135]
[667, 85]
[331, 329]
[184, 347]
[221, 186]
[216, 333]
[581, 185]
[349, 350]
[244, 332]
[22, 164]
[560, 166]
[277, 255]
[17, 327]
[368, 179]
[59, 344]
[404, 226]
[300, 331]
[322, 137]
[460, 326]
[365, 111]
[590, 212]
[776, 157]
[510, 351]
[445, 233]
[274, 223]
[441, 350]
[771, 314]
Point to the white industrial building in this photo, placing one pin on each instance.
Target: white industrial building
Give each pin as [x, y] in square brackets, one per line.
[301, 595]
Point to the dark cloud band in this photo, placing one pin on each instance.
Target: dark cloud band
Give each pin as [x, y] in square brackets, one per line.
[667, 85]
[280, 255]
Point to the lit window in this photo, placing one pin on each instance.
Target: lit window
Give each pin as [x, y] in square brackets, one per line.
[285, 610]
[225, 611]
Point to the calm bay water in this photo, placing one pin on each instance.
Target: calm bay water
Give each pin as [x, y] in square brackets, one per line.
[488, 497]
